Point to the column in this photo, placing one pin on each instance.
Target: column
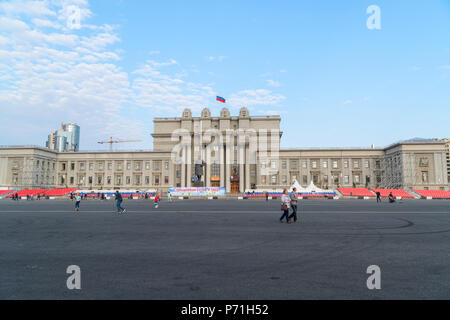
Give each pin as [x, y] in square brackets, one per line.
[208, 175]
[222, 166]
[247, 168]
[183, 169]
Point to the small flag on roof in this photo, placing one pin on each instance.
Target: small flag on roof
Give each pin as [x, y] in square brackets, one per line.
[220, 99]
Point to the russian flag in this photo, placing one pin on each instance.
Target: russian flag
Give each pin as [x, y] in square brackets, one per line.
[220, 99]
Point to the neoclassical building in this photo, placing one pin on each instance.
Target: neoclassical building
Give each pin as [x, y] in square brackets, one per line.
[239, 153]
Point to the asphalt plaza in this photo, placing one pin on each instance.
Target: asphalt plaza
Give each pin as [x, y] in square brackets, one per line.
[224, 249]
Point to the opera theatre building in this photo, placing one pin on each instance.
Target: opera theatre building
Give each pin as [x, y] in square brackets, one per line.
[237, 152]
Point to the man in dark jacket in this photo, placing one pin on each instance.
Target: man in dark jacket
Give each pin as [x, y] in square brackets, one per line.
[294, 199]
[119, 202]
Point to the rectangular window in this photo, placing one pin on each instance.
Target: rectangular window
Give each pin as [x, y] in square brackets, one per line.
[90, 179]
[108, 180]
[138, 166]
[147, 180]
[314, 164]
[166, 180]
[424, 177]
[81, 165]
[156, 165]
[423, 162]
[63, 166]
[304, 164]
[128, 180]
[81, 180]
[284, 164]
[274, 179]
[100, 166]
[72, 166]
[99, 180]
[325, 164]
[156, 180]
[293, 164]
[109, 165]
[366, 163]
[378, 164]
[346, 179]
[138, 179]
[315, 179]
[355, 164]
[335, 164]
[166, 165]
[147, 165]
[119, 165]
[91, 166]
[345, 163]
[284, 179]
[128, 165]
[356, 178]
[273, 164]
[72, 180]
[119, 180]
[178, 173]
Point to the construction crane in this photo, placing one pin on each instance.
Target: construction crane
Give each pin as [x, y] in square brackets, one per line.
[111, 141]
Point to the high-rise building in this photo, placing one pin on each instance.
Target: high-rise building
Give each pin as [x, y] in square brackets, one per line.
[66, 139]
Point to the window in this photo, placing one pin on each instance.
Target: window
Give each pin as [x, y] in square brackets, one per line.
[128, 180]
[72, 180]
[99, 180]
[81, 180]
[128, 165]
[263, 180]
[108, 180]
[274, 179]
[119, 180]
[304, 164]
[81, 165]
[147, 165]
[314, 164]
[325, 179]
[284, 179]
[63, 179]
[156, 180]
[335, 164]
[166, 165]
[263, 164]
[356, 178]
[72, 166]
[366, 163]
[91, 166]
[367, 179]
[90, 179]
[273, 164]
[378, 179]
[157, 165]
[15, 164]
[215, 168]
[109, 165]
[138, 166]
[378, 164]
[305, 180]
[315, 179]
[138, 179]
[293, 164]
[147, 180]
[166, 180]
[346, 179]
[178, 173]
[355, 164]
[100, 166]
[284, 164]
[63, 166]
[345, 163]
[119, 165]
[325, 164]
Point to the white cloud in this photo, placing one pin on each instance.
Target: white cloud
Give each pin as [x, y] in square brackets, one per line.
[446, 67]
[273, 83]
[219, 58]
[348, 102]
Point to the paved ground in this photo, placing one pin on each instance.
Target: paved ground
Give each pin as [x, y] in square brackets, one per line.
[218, 249]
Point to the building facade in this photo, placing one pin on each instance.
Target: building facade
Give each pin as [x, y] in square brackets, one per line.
[236, 152]
[65, 139]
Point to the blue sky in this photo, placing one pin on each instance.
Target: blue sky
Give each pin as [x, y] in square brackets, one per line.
[333, 81]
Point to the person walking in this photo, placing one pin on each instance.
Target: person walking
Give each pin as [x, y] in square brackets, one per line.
[378, 196]
[119, 200]
[294, 199]
[267, 195]
[391, 198]
[77, 202]
[169, 196]
[156, 200]
[285, 204]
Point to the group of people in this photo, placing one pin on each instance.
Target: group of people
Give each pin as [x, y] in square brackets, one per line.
[391, 197]
[289, 201]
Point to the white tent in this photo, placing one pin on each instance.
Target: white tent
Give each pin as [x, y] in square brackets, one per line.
[297, 185]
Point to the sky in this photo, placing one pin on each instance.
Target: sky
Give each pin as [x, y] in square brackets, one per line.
[112, 66]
